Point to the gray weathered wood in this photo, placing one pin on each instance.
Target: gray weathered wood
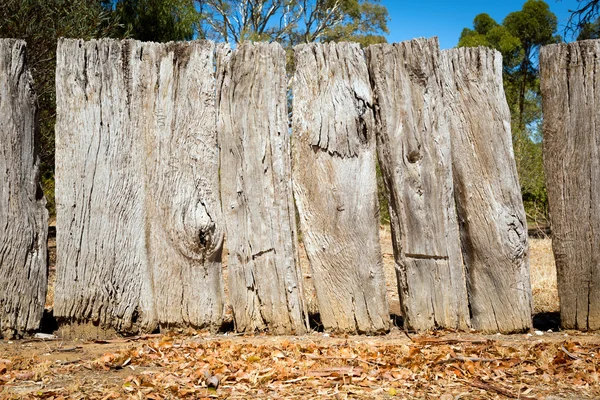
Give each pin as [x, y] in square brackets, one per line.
[570, 83]
[138, 211]
[488, 197]
[414, 152]
[333, 153]
[23, 216]
[256, 188]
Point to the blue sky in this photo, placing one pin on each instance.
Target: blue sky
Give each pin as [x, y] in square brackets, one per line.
[446, 19]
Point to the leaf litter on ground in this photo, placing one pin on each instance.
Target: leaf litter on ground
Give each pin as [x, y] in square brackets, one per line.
[443, 365]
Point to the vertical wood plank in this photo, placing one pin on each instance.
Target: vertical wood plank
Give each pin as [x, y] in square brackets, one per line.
[487, 191]
[23, 216]
[333, 153]
[185, 228]
[264, 273]
[570, 84]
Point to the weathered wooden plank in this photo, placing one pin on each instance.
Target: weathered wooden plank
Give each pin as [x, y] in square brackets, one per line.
[264, 274]
[184, 223]
[414, 153]
[570, 84]
[23, 216]
[333, 159]
[138, 215]
[487, 192]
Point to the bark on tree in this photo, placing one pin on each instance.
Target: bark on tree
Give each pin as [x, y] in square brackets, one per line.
[139, 236]
[256, 188]
[414, 152]
[23, 216]
[570, 83]
[333, 159]
[488, 197]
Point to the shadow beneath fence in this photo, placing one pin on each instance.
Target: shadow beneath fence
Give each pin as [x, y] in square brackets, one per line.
[547, 320]
[314, 321]
[48, 324]
[397, 320]
[227, 326]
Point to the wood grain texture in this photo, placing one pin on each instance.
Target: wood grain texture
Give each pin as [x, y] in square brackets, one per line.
[138, 210]
[487, 191]
[23, 216]
[570, 84]
[333, 158]
[256, 187]
[414, 152]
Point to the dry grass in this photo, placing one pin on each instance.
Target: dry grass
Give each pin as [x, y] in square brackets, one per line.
[543, 276]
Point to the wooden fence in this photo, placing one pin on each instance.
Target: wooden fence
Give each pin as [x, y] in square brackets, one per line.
[160, 155]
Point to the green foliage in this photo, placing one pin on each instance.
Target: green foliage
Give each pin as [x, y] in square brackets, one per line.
[41, 23]
[158, 20]
[365, 22]
[519, 38]
[534, 25]
[528, 156]
[497, 37]
[590, 30]
[294, 21]
[584, 19]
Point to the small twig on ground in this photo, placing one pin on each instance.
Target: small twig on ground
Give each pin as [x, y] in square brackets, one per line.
[449, 341]
[68, 349]
[461, 358]
[314, 357]
[493, 388]
[571, 355]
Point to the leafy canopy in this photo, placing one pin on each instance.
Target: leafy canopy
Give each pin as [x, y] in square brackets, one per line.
[157, 20]
[294, 21]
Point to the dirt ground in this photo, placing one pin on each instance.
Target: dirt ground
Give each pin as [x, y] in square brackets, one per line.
[543, 364]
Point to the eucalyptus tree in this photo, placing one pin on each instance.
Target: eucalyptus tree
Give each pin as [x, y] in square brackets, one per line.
[294, 21]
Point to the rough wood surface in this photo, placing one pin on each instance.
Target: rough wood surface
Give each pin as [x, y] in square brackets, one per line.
[256, 188]
[487, 192]
[414, 152]
[138, 211]
[333, 147]
[23, 216]
[570, 83]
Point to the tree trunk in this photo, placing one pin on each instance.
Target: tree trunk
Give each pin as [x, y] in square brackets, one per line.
[23, 216]
[256, 188]
[333, 149]
[414, 153]
[138, 211]
[487, 192]
[570, 84]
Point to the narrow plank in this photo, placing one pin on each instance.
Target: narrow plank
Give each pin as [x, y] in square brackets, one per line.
[263, 270]
[333, 159]
[570, 84]
[487, 192]
[23, 216]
